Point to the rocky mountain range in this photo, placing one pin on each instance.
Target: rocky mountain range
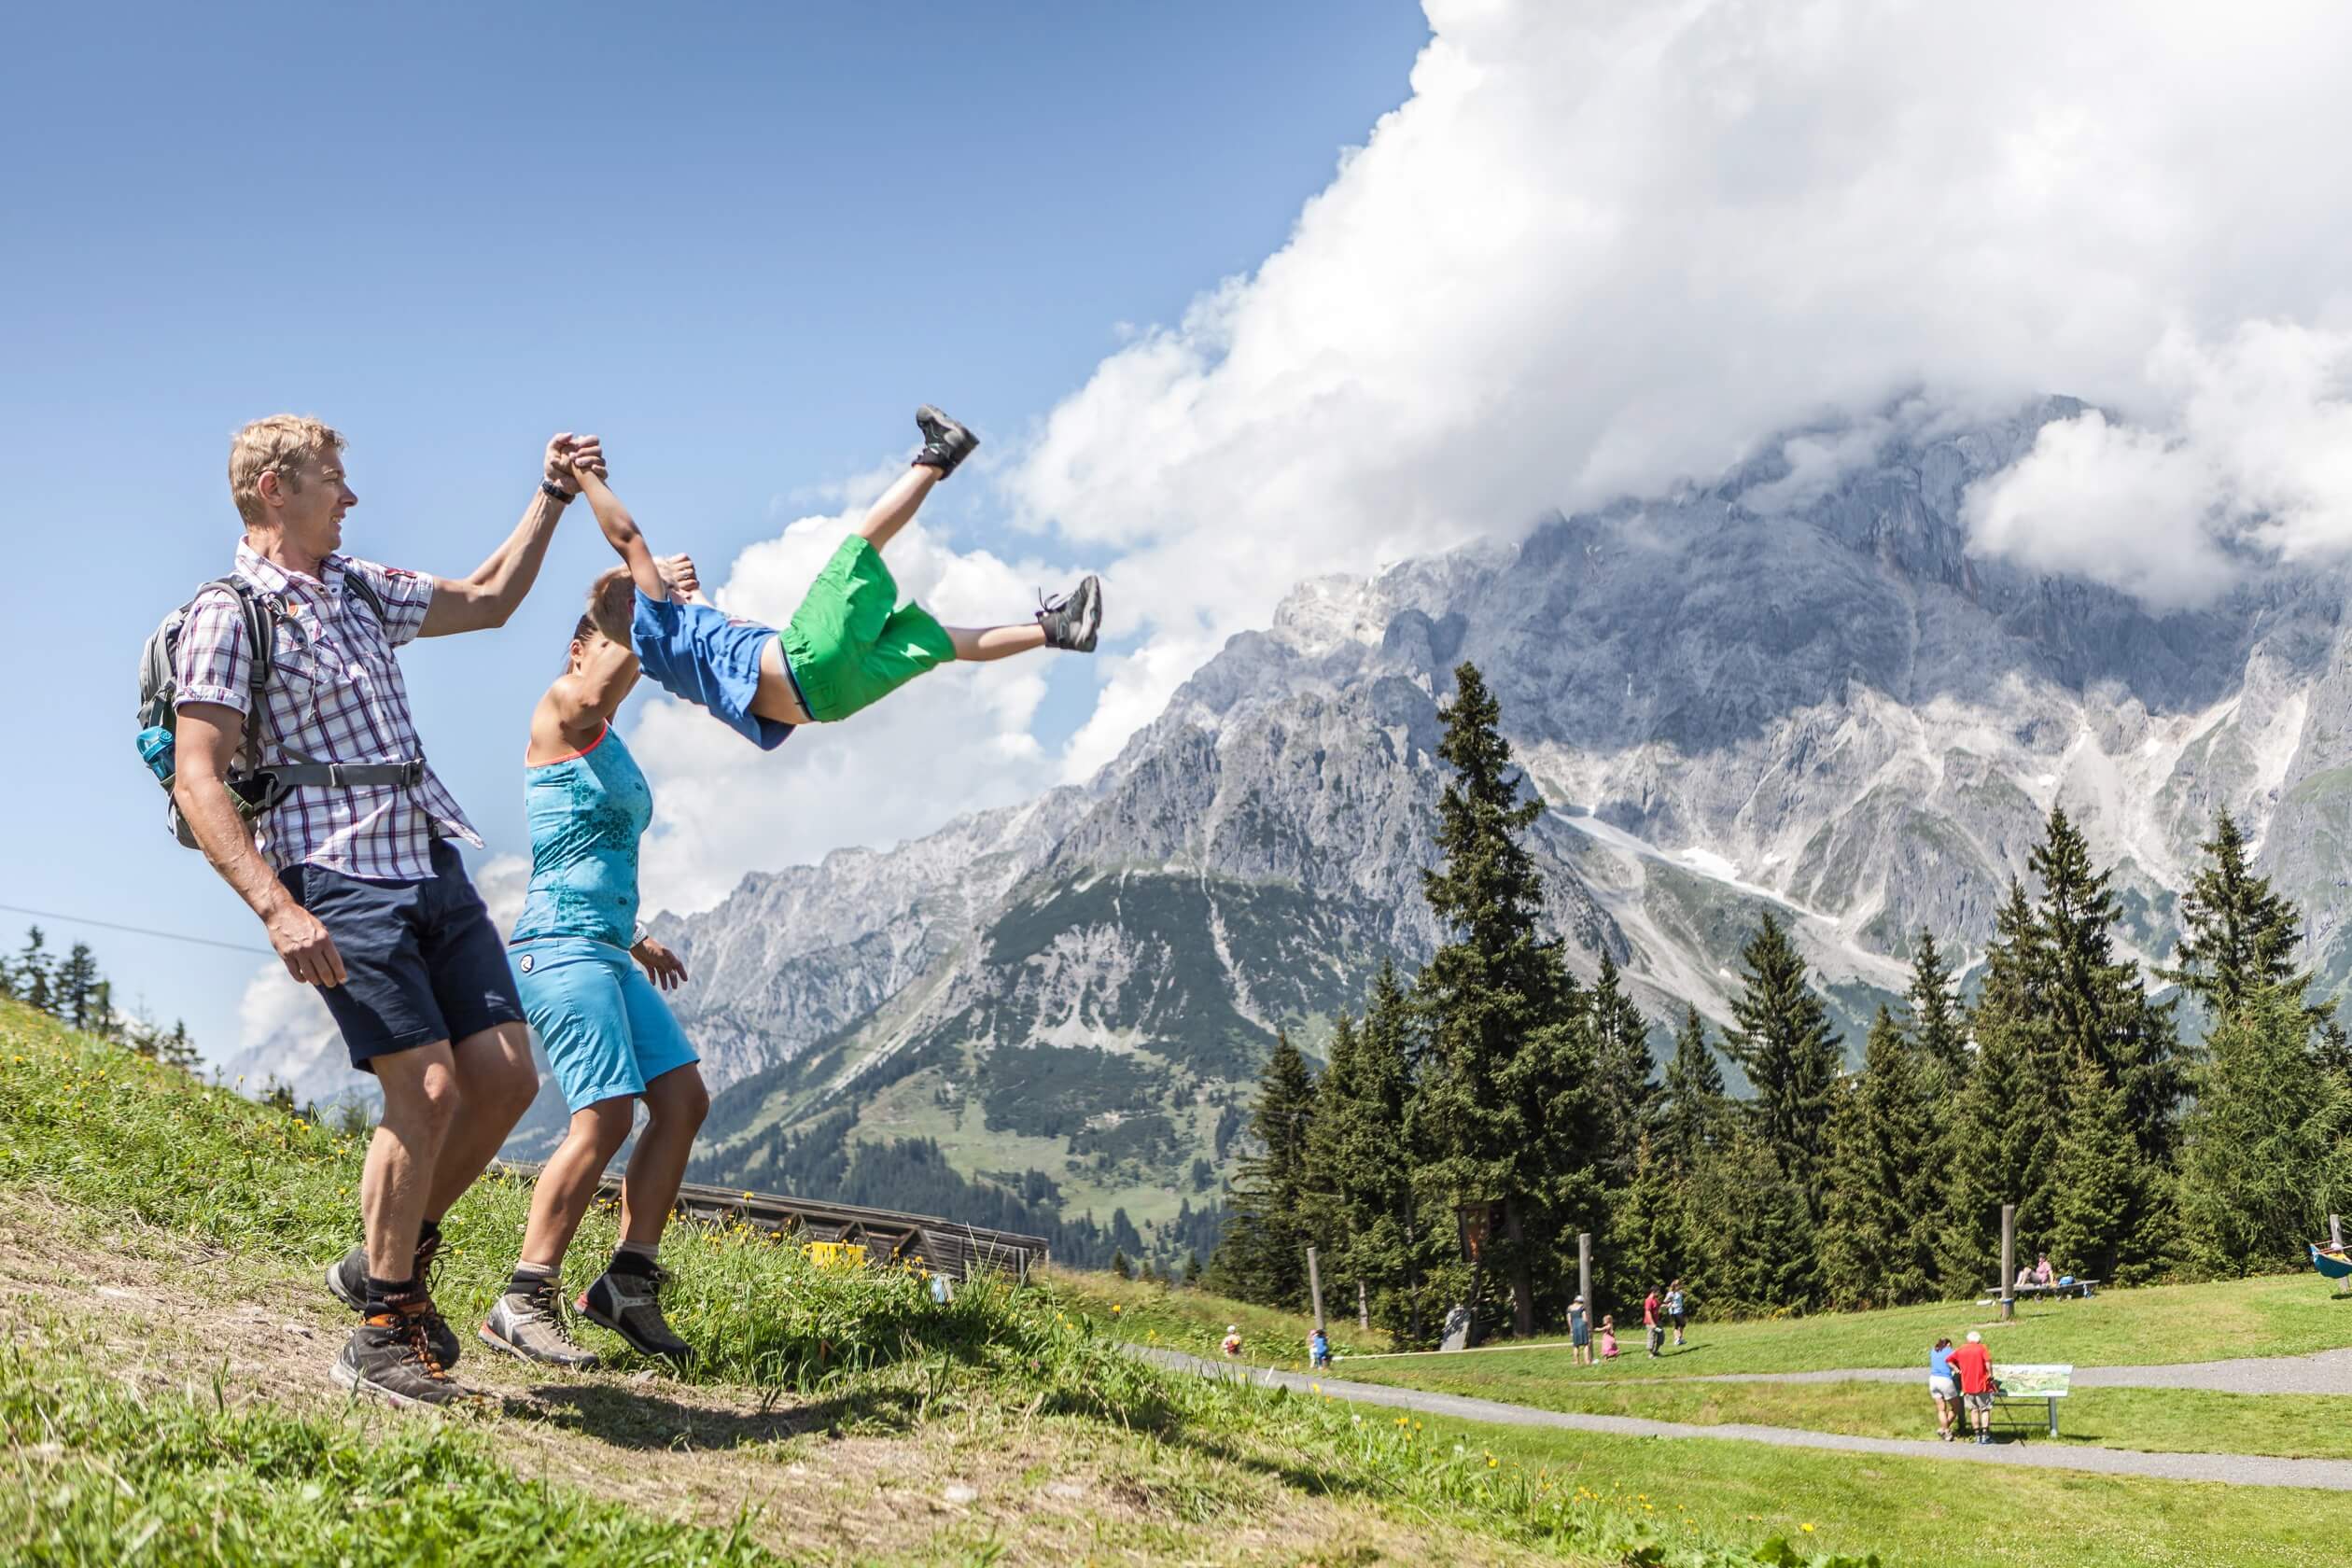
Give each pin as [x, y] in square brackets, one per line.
[1791, 689]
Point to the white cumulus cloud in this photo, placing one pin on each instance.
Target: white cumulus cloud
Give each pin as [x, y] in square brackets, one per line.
[1605, 247]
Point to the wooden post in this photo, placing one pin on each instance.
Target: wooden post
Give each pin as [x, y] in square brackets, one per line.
[1584, 1273]
[2009, 1261]
[1363, 1308]
[1314, 1286]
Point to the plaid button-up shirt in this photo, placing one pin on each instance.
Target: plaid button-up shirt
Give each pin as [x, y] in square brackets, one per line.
[335, 696]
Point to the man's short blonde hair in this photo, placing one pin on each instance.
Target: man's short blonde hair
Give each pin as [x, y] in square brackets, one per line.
[280, 444]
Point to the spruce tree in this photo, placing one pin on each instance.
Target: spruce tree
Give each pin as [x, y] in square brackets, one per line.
[2268, 1147]
[1692, 1105]
[76, 995]
[1785, 1044]
[1936, 1024]
[2101, 1182]
[1623, 1073]
[1506, 1104]
[1877, 1241]
[1120, 1266]
[2007, 1120]
[1650, 1224]
[2237, 937]
[1381, 1238]
[1192, 1268]
[1262, 1255]
[1752, 1238]
[33, 969]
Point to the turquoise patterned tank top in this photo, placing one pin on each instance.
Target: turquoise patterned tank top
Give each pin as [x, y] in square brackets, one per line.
[586, 814]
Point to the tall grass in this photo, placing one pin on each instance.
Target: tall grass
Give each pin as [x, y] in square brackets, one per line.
[119, 1139]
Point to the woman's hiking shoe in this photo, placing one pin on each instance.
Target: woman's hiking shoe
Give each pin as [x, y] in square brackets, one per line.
[1073, 620]
[389, 1356]
[347, 1282]
[630, 1305]
[532, 1328]
[946, 443]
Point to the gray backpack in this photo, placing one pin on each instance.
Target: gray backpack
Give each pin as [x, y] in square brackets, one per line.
[252, 787]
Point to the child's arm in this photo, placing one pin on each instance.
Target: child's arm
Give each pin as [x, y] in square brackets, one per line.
[621, 532]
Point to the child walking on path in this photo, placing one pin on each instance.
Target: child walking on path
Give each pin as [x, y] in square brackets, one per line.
[848, 646]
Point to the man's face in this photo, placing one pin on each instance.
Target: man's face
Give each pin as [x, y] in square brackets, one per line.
[311, 513]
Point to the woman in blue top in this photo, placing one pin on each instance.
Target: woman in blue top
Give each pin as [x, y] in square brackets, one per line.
[608, 1034]
[1942, 1388]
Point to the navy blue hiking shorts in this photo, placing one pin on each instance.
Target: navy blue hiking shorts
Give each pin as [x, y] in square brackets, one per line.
[422, 960]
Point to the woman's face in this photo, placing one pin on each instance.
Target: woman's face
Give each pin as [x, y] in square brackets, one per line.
[602, 660]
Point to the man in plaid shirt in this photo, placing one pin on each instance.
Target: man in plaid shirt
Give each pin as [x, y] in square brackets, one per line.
[356, 880]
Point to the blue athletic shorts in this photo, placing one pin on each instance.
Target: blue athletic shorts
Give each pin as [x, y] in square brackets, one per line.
[422, 960]
[604, 1029]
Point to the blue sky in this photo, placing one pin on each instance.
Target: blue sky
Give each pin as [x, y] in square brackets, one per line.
[740, 242]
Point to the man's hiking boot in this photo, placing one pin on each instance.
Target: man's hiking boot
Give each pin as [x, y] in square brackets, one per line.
[347, 1282]
[1071, 621]
[946, 443]
[389, 1356]
[532, 1328]
[630, 1305]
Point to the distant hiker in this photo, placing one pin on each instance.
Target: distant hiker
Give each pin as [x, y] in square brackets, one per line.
[1653, 1325]
[1232, 1344]
[1608, 1337]
[1579, 1334]
[1676, 1312]
[350, 867]
[2043, 1273]
[1942, 1388]
[608, 1036]
[848, 645]
[1318, 1350]
[1972, 1364]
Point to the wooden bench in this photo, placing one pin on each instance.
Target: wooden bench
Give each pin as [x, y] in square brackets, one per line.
[2024, 1386]
[2083, 1288]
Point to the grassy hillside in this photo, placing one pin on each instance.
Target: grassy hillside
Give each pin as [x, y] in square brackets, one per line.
[163, 1399]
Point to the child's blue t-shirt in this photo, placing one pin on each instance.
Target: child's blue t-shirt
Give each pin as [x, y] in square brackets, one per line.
[709, 658]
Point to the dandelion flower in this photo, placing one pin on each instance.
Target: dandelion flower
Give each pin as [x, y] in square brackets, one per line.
[1806, 1528]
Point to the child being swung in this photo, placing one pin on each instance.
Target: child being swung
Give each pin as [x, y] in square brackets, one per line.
[848, 645]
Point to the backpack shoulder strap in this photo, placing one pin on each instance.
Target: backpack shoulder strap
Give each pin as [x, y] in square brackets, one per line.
[357, 582]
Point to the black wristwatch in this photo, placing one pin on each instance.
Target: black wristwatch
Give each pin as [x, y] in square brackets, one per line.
[557, 492]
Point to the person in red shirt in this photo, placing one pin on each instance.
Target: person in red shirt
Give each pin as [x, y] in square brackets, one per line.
[1972, 1364]
[1650, 1321]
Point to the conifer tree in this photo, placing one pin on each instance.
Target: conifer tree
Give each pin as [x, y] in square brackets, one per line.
[1380, 1236]
[1262, 1255]
[1119, 1264]
[1936, 1025]
[1785, 1044]
[2101, 1194]
[1506, 1104]
[1877, 1244]
[2237, 937]
[1192, 1268]
[1753, 1239]
[2268, 1147]
[33, 969]
[1693, 1104]
[2007, 1122]
[1623, 1073]
[1648, 1238]
[75, 988]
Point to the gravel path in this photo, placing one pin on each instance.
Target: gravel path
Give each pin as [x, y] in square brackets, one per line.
[2328, 1475]
[2322, 1372]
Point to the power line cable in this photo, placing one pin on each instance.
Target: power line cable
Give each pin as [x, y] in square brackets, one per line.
[137, 931]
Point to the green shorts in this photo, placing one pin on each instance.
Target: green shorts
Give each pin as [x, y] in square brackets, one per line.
[850, 644]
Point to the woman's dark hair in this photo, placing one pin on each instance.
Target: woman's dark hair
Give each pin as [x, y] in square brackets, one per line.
[1941, 1344]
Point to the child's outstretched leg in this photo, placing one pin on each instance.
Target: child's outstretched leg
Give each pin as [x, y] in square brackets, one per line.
[1070, 621]
[945, 445]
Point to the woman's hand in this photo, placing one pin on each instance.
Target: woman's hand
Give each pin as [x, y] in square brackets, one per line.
[662, 966]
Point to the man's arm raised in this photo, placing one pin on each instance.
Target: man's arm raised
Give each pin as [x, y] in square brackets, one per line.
[495, 589]
[206, 739]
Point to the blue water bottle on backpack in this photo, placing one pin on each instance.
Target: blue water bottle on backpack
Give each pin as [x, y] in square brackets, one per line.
[155, 750]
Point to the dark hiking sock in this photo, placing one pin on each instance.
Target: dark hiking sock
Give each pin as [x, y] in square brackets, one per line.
[384, 1295]
[627, 1260]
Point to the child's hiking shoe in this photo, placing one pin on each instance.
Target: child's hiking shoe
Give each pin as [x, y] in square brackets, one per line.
[390, 1357]
[630, 1305]
[347, 1282]
[946, 443]
[531, 1327]
[1073, 620]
